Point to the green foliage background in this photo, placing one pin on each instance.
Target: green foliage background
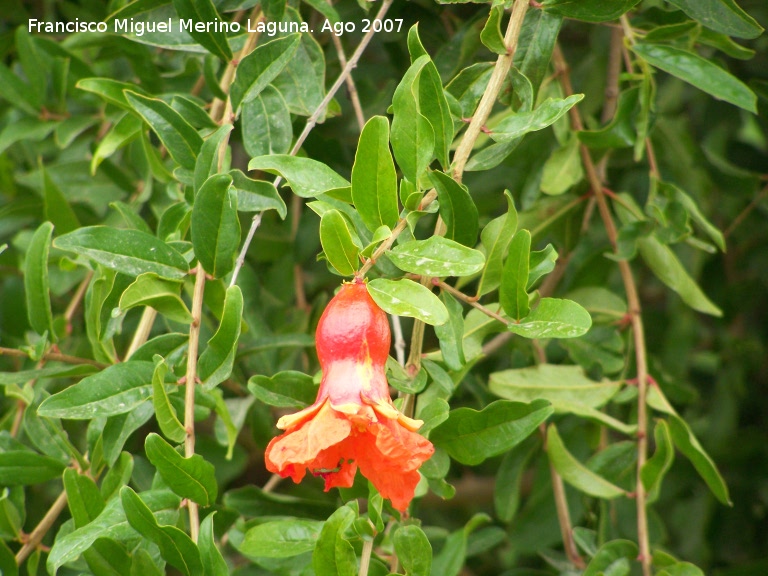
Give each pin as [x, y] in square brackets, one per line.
[117, 179]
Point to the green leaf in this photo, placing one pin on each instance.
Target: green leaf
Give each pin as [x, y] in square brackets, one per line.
[509, 477]
[468, 86]
[307, 178]
[117, 389]
[14, 91]
[50, 371]
[111, 91]
[681, 569]
[437, 256]
[621, 131]
[674, 193]
[175, 546]
[30, 129]
[545, 114]
[281, 538]
[266, 124]
[48, 435]
[563, 169]
[558, 384]
[407, 298]
[574, 472]
[83, 497]
[470, 436]
[495, 238]
[457, 209]
[590, 10]
[491, 35]
[722, 16]
[433, 105]
[57, 207]
[256, 195]
[288, 389]
[169, 422]
[215, 226]
[260, 67]
[216, 361]
[208, 159]
[413, 550]
[611, 556]
[667, 268]
[192, 477]
[451, 334]
[656, 467]
[111, 523]
[179, 138]
[22, 467]
[686, 442]
[338, 245]
[121, 134]
[213, 562]
[374, 182]
[204, 11]
[36, 287]
[541, 263]
[699, 72]
[554, 318]
[413, 138]
[512, 293]
[118, 476]
[129, 251]
[302, 81]
[163, 295]
[333, 554]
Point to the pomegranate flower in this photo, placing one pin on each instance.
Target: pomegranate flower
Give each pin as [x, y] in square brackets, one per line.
[353, 422]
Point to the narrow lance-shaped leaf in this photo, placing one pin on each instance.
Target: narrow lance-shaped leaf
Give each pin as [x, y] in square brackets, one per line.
[213, 561]
[589, 10]
[491, 35]
[216, 361]
[413, 138]
[266, 124]
[545, 114]
[688, 444]
[574, 472]
[307, 178]
[57, 208]
[554, 318]
[115, 390]
[22, 467]
[333, 554]
[36, 285]
[281, 538]
[699, 72]
[658, 465]
[437, 256]
[214, 40]
[169, 422]
[451, 334]
[215, 226]
[256, 195]
[337, 242]
[163, 295]
[191, 477]
[722, 16]
[495, 238]
[175, 546]
[129, 251]
[471, 436]
[512, 293]
[260, 67]
[413, 550]
[374, 182]
[208, 159]
[408, 298]
[179, 138]
[457, 209]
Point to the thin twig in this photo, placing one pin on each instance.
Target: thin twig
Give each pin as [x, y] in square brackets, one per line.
[500, 71]
[142, 331]
[635, 312]
[365, 558]
[191, 380]
[744, 213]
[36, 536]
[319, 111]
[354, 98]
[397, 328]
[77, 299]
[53, 357]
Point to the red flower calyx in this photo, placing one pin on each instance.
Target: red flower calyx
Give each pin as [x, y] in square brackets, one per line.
[353, 422]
